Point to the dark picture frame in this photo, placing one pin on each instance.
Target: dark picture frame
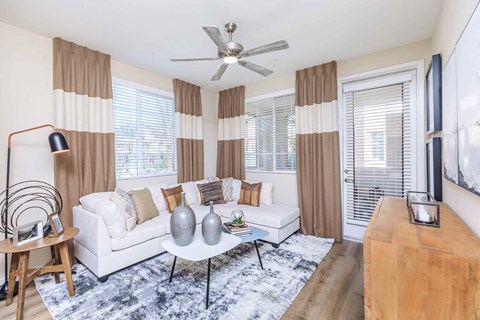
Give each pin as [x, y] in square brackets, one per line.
[434, 95]
[56, 224]
[434, 167]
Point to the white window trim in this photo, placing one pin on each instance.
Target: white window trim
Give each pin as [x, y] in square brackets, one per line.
[138, 86]
[167, 94]
[355, 233]
[269, 96]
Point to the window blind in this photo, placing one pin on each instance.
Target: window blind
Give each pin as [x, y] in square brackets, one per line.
[270, 134]
[144, 126]
[378, 144]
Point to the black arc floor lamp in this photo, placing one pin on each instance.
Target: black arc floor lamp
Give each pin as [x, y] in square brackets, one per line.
[58, 144]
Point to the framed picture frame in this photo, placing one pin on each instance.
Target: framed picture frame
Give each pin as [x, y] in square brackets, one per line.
[27, 233]
[434, 95]
[434, 167]
[56, 224]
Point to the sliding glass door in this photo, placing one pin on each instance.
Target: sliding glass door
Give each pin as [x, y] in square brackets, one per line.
[379, 143]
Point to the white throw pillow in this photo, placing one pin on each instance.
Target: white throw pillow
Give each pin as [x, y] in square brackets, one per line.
[191, 192]
[157, 196]
[236, 187]
[227, 187]
[122, 199]
[109, 211]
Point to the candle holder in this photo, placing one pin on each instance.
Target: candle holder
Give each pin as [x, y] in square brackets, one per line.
[423, 209]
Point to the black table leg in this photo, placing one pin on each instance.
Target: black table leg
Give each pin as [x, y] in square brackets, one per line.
[258, 253]
[208, 280]
[173, 269]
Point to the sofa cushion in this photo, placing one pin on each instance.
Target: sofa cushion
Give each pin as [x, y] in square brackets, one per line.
[109, 211]
[236, 187]
[148, 230]
[173, 197]
[274, 216]
[124, 202]
[211, 191]
[144, 205]
[250, 194]
[227, 187]
[157, 196]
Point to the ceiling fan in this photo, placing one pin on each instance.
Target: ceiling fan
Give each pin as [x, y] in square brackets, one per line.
[232, 52]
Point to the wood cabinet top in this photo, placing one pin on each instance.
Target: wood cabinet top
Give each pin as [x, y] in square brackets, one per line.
[6, 245]
[390, 223]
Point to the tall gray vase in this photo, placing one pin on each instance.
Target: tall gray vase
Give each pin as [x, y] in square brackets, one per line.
[182, 224]
[211, 227]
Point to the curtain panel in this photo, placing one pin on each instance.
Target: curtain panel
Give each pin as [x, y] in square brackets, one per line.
[83, 112]
[318, 154]
[231, 136]
[189, 131]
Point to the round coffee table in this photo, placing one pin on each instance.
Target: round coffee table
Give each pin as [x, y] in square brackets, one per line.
[256, 234]
[198, 250]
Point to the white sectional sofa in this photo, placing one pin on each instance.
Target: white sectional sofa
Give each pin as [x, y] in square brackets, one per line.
[104, 255]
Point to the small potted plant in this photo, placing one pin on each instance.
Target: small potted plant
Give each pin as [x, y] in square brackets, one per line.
[238, 218]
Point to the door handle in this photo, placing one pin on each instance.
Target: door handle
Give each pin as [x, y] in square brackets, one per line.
[349, 180]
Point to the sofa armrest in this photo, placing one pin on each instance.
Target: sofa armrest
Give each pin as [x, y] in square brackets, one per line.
[93, 233]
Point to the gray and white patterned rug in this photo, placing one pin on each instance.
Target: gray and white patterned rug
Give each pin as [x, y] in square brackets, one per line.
[239, 288]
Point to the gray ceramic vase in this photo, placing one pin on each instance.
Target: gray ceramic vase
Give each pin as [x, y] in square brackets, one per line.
[211, 227]
[182, 224]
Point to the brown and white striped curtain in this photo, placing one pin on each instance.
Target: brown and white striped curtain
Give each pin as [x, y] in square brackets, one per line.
[318, 155]
[83, 112]
[231, 136]
[189, 130]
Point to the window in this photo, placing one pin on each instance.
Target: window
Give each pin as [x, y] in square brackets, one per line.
[144, 126]
[270, 134]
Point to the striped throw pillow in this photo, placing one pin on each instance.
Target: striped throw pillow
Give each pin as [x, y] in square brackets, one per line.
[211, 191]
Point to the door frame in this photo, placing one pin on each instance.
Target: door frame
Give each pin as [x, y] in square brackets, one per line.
[353, 232]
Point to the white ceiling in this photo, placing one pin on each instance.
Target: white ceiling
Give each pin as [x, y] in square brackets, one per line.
[147, 33]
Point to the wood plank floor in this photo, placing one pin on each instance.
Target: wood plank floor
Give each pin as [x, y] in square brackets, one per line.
[335, 291]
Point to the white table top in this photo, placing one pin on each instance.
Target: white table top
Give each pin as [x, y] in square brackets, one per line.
[198, 249]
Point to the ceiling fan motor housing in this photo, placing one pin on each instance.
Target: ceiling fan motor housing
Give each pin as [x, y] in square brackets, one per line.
[234, 49]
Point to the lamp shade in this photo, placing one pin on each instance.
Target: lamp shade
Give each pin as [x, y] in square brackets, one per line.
[57, 142]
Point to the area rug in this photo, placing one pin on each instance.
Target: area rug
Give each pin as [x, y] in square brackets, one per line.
[239, 288]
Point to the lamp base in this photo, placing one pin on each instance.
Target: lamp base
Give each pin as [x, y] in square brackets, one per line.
[3, 291]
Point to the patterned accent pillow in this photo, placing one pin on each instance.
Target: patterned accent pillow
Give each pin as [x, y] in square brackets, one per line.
[250, 194]
[123, 200]
[227, 187]
[211, 191]
[173, 197]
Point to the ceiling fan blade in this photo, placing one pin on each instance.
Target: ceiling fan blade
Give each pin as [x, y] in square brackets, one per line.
[275, 46]
[255, 67]
[214, 34]
[220, 72]
[193, 59]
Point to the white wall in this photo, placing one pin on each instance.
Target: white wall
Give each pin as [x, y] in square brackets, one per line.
[26, 100]
[453, 18]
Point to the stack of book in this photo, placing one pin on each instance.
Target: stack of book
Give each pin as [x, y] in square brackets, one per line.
[241, 230]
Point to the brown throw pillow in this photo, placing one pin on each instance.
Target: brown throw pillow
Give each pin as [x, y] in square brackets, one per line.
[173, 197]
[211, 191]
[250, 194]
[144, 205]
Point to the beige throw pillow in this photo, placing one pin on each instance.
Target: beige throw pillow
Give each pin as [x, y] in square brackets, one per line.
[144, 205]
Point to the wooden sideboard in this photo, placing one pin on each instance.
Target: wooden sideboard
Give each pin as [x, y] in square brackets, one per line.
[419, 272]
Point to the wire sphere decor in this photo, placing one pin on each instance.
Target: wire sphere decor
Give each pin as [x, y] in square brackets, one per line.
[25, 197]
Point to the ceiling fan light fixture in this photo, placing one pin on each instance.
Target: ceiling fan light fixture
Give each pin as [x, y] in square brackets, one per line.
[230, 59]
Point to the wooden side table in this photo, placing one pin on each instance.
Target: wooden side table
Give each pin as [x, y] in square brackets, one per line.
[19, 264]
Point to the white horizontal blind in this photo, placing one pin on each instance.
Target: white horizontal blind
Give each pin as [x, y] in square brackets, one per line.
[270, 134]
[378, 147]
[144, 126]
